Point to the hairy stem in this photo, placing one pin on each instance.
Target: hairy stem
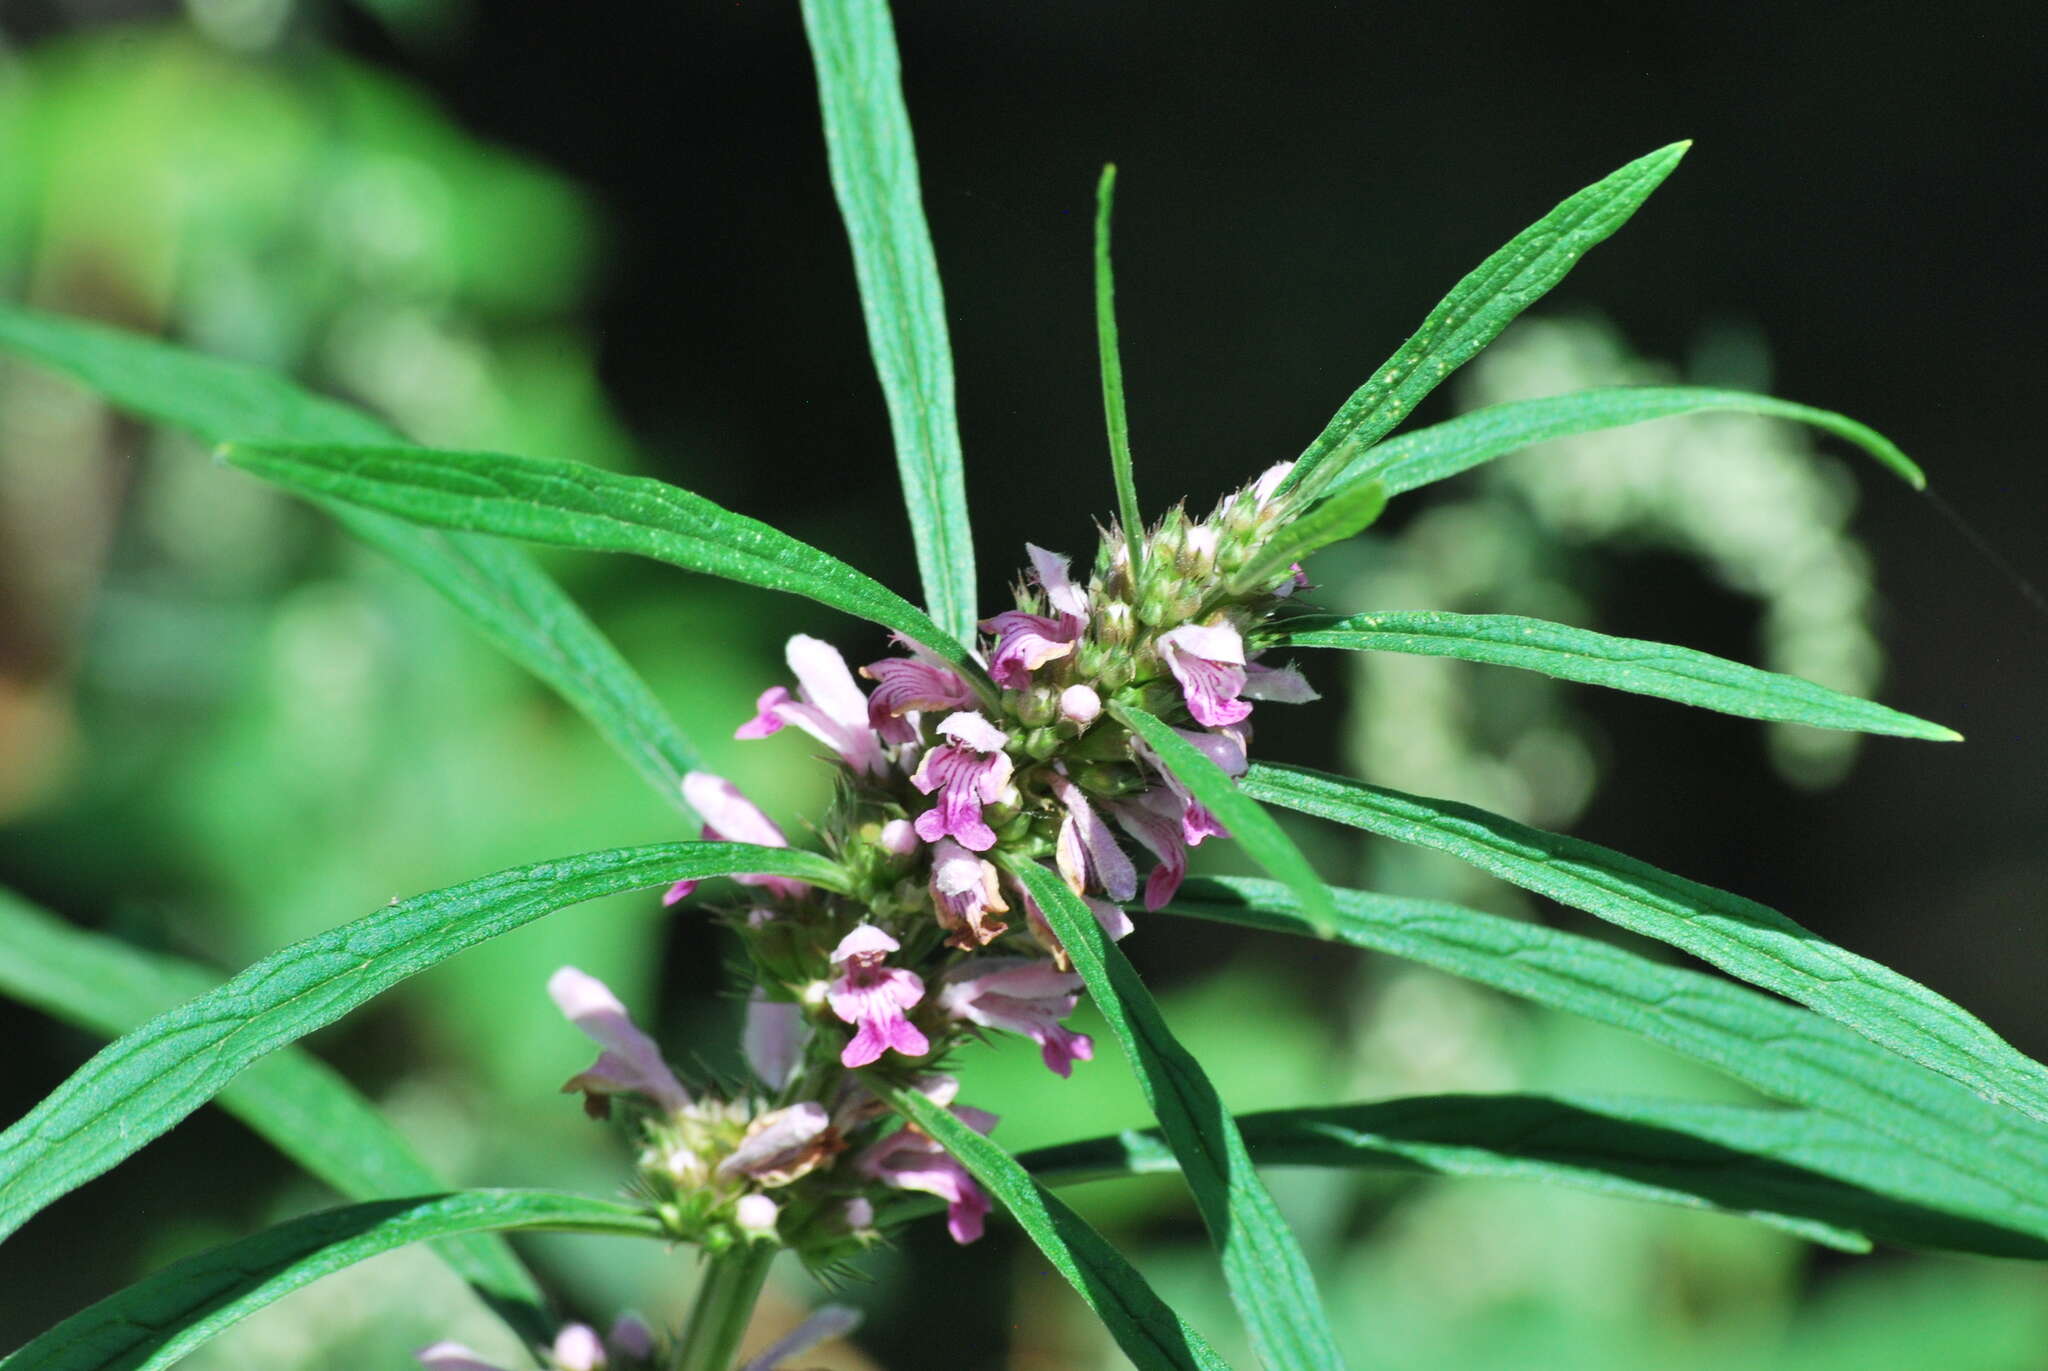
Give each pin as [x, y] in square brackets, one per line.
[724, 1307]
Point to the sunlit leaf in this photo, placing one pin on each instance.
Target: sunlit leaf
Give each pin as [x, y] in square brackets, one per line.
[1150, 1333]
[1477, 309]
[1632, 664]
[874, 173]
[163, 1317]
[144, 1082]
[1263, 1265]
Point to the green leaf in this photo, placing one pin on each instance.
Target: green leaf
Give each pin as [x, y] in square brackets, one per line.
[1443, 450]
[295, 1101]
[1150, 1334]
[1111, 356]
[1632, 664]
[574, 505]
[499, 587]
[1930, 1142]
[1477, 309]
[166, 1315]
[135, 1089]
[1346, 512]
[1740, 936]
[1254, 829]
[874, 174]
[1263, 1265]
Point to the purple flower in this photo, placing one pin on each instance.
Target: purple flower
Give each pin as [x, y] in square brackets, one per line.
[966, 895]
[904, 684]
[783, 1145]
[1208, 661]
[874, 997]
[1026, 642]
[1155, 820]
[631, 1063]
[1060, 591]
[773, 1039]
[1227, 750]
[1088, 849]
[1021, 995]
[828, 705]
[730, 817]
[908, 1160]
[968, 771]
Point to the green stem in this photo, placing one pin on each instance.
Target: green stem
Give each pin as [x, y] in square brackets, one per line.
[724, 1307]
[1113, 374]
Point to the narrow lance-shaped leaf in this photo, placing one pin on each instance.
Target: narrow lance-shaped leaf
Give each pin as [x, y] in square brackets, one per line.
[874, 175]
[1477, 309]
[499, 587]
[1263, 1266]
[1927, 1142]
[1443, 450]
[1254, 829]
[1740, 936]
[135, 1089]
[574, 505]
[163, 1317]
[1632, 664]
[1111, 357]
[1150, 1334]
[291, 1098]
[1777, 1166]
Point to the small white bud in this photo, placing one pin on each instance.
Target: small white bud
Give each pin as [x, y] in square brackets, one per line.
[1080, 704]
[898, 838]
[755, 1214]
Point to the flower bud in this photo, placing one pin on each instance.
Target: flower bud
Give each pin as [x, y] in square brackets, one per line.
[898, 838]
[1041, 743]
[755, 1215]
[1079, 704]
[1038, 705]
[577, 1349]
[631, 1337]
[1198, 553]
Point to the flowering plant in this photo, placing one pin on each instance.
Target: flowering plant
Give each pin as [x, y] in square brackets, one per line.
[1011, 790]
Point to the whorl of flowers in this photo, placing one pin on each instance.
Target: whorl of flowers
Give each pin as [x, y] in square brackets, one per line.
[946, 784]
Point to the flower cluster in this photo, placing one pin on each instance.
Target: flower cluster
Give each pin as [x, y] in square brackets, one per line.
[950, 780]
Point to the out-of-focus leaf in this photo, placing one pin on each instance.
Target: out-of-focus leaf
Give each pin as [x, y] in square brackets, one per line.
[164, 1316]
[1263, 1265]
[1150, 1334]
[295, 1101]
[1443, 450]
[140, 1085]
[874, 173]
[1477, 309]
[1633, 664]
[1740, 936]
[499, 587]
[574, 505]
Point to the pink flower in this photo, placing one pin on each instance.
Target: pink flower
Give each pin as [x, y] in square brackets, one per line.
[965, 895]
[1280, 684]
[874, 997]
[828, 705]
[783, 1145]
[1208, 661]
[631, 1063]
[1112, 919]
[1021, 995]
[1060, 592]
[773, 1039]
[1227, 750]
[904, 684]
[969, 771]
[577, 1348]
[1155, 819]
[1269, 481]
[1088, 849]
[1026, 642]
[908, 1160]
[730, 817]
[453, 1356]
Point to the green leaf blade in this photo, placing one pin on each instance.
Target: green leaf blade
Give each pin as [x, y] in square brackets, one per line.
[873, 161]
[1740, 936]
[1253, 828]
[1268, 1276]
[573, 505]
[1110, 355]
[1477, 309]
[138, 1087]
[1149, 1332]
[166, 1315]
[1633, 664]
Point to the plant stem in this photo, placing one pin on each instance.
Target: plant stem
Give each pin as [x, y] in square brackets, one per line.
[724, 1306]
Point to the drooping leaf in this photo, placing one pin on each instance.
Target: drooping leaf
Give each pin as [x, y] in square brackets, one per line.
[499, 587]
[1443, 450]
[295, 1101]
[1263, 1265]
[874, 174]
[1477, 309]
[1150, 1334]
[164, 1316]
[136, 1088]
[1111, 357]
[1932, 1143]
[574, 505]
[1632, 664]
[1740, 936]
[1254, 829]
